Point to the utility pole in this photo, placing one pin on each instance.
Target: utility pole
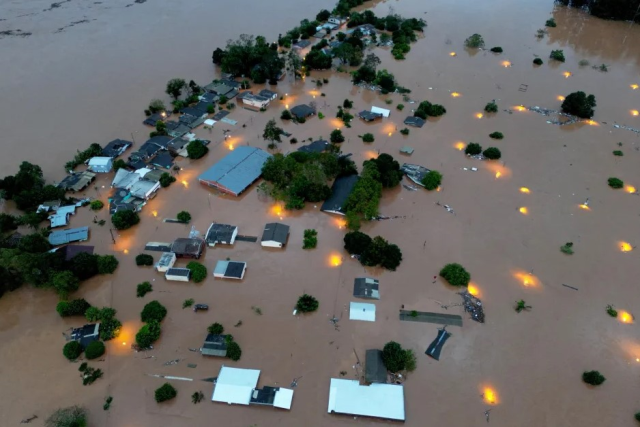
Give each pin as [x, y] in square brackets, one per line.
[112, 237]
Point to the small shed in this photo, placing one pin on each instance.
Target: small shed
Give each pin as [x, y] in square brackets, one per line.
[383, 111]
[214, 345]
[185, 247]
[362, 311]
[366, 287]
[436, 345]
[224, 234]
[375, 371]
[275, 235]
[369, 116]
[86, 334]
[178, 274]
[230, 270]
[415, 173]
[407, 150]
[302, 111]
[414, 121]
[70, 235]
[165, 262]
[101, 164]
[59, 219]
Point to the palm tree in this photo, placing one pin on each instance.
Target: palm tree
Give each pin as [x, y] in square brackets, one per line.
[521, 305]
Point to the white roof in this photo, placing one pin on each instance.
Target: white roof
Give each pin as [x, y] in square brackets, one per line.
[383, 111]
[362, 311]
[376, 400]
[235, 385]
[124, 179]
[283, 398]
[209, 122]
[100, 161]
[142, 172]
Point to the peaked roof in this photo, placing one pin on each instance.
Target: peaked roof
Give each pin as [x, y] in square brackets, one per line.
[375, 371]
[116, 147]
[276, 232]
[302, 110]
[235, 385]
[340, 191]
[315, 147]
[238, 169]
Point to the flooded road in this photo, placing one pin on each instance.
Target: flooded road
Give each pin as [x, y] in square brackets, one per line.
[90, 82]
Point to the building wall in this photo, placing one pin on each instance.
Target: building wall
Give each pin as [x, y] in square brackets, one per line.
[271, 244]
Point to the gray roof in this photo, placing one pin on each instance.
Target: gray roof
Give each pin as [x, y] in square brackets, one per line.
[187, 246]
[220, 115]
[340, 191]
[230, 269]
[77, 181]
[70, 235]
[86, 334]
[237, 170]
[192, 111]
[276, 232]
[163, 160]
[302, 110]
[116, 147]
[369, 115]
[209, 97]
[154, 175]
[365, 287]
[375, 371]
[302, 44]
[414, 121]
[214, 345]
[267, 93]
[59, 219]
[220, 233]
[180, 272]
[315, 147]
[415, 173]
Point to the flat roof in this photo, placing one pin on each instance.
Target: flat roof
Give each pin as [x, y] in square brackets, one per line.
[235, 385]
[362, 311]
[376, 400]
[374, 369]
[237, 170]
[365, 287]
[378, 110]
[181, 272]
[283, 399]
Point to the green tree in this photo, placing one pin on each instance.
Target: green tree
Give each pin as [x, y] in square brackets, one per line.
[94, 350]
[143, 288]
[491, 107]
[389, 173]
[119, 164]
[492, 153]
[84, 265]
[216, 329]
[234, 352]
[558, 55]
[107, 264]
[77, 307]
[593, 377]
[72, 350]
[198, 271]
[310, 240]
[317, 60]
[336, 136]
[144, 259]
[368, 137]
[455, 274]
[579, 104]
[184, 216]
[165, 392]
[34, 243]
[306, 304]
[174, 87]
[496, 135]
[363, 74]
[166, 179]
[156, 106]
[7, 222]
[272, 132]
[148, 334]
[391, 257]
[432, 180]
[153, 311]
[109, 328]
[426, 109]
[123, 220]
[615, 183]
[286, 115]
[323, 15]
[538, 61]
[394, 357]
[196, 149]
[356, 242]
[474, 41]
[64, 282]
[73, 416]
[473, 149]
[96, 205]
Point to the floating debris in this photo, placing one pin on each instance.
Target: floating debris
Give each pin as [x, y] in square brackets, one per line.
[472, 305]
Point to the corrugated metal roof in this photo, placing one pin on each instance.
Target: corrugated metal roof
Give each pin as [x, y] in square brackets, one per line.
[375, 400]
[67, 236]
[283, 399]
[237, 170]
[276, 232]
[340, 191]
[235, 385]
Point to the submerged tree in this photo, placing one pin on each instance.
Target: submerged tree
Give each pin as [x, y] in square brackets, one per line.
[579, 104]
[174, 87]
[73, 416]
[272, 132]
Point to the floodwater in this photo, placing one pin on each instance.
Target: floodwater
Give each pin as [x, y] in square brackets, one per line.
[90, 82]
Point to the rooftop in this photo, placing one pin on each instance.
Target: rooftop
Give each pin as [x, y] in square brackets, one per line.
[369, 115]
[375, 371]
[340, 191]
[77, 181]
[376, 400]
[221, 233]
[235, 385]
[315, 147]
[237, 170]
[302, 110]
[275, 232]
[230, 269]
[180, 272]
[214, 345]
[414, 121]
[116, 148]
[70, 235]
[414, 172]
[187, 246]
[365, 287]
[362, 311]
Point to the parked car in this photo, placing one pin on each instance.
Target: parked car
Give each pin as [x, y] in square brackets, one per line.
[199, 307]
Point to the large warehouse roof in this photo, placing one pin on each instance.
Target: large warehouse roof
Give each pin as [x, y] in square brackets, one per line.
[237, 170]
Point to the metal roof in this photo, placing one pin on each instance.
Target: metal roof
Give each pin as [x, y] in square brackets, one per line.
[364, 287]
[100, 161]
[315, 147]
[302, 110]
[70, 235]
[375, 371]
[414, 121]
[235, 385]
[378, 110]
[214, 345]
[362, 311]
[340, 191]
[237, 170]
[221, 233]
[375, 400]
[276, 232]
[116, 147]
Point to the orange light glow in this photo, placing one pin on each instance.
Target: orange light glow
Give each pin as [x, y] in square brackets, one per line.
[460, 146]
[585, 207]
[506, 64]
[389, 134]
[230, 146]
[490, 396]
[567, 74]
[520, 107]
[635, 112]
[527, 280]
[625, 247]
[454, 54]
[185, 183]
[154, 213]
[479, 115]
[634, 86]
[560, 98]
[592, 123]
[439, 189]
[455, 94]
[335, 260]
[286, 106]
[124, 343]
[498, 174]
[276, 210]
[473, 290]
[630, 189]
[525, 190]
[625, 317]
[126, 251]
[523, 210]
[340, 223]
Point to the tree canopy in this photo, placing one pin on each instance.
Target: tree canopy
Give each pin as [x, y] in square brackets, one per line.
[306, 304]
[196, 149]
[174, 87]
[153, 311]
[272, 132]
[455, 274]
[27, 188]
[73, 416]
[579, 104]
[148, 334]
[426, 109]
[123, 220]
[396, 359]
[250, 56]
[198, 271]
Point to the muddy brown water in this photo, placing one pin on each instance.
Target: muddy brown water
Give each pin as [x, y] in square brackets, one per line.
[63, 89]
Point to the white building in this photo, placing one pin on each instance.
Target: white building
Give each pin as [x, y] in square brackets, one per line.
[362, 311]
[236, 386]
[101, 164]
[178, 274]
[375, 400]
[166, 262]
[377, 110]
[144, 189]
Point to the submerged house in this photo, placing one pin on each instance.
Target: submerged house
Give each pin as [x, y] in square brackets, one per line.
[214, 345]
[340, 191]
[144, 189]
[115, 148]
[68, 236]
[266, 93]
[366, 288]
[415, 173]
[235, 172]
[61, 216]
[369, 116]
[302, 111]
[238, 386]
[362, 311]
[255, 101]
[124, 179]
[414, 121]
[319, 146]
[166, 261]
[101, 164]
[86, 334]
[230, 270]
[185, 247]
[374, 369]
[376, 400]
[77, 181]
[178, 274]
[275, 235]
[221, 233]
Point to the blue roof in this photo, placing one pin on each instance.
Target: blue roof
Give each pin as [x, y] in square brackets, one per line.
[70, 235]
[237, 170]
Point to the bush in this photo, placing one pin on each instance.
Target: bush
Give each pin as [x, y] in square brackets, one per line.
[73, 416]
[123, 220]
[320, 116]
[72, 350]
[184, 217]
[143, 288]
[94, 350]
[216, 329]
[286, 115]
[107, 264]
[455, 274]
[400, 107]
[550, 23]
[496, 49]
[618, 153]
[336, 136]
[558, 55]
[567, 248]
[153, 311]
[356, 242]
[148, 334]
[538, 61]
[96, 205]
[491, 107]
[474, 41]
[426, 109]
[615, 183]
[637, 416]
[306, 304]
[310, 240]
[432, 180]
[234, 352]
[404, 131]
[368, 137]
[144, 259]
[394, 356]
[165, 392]
[196, 149]
[77, 307]
[198, 271]
[593, 377]
[492, 153]
[496, 135]
[381, 252]
[347, 104]
[579, 104]
[166, 180]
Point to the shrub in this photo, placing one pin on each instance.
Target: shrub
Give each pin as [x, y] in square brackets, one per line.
[593, 377]
[618, 153]
[394, 356]
[356, 242]
[215, 329]
[336, 136]
[306, 304]
[558, 55]
[165, 392]
[153, 311]
[107, 264]
[368, 137]
[538, 61]
[188, 303]
[550, 23]
[96, 205]
[143, 288]
[347, 104]
[583, 63]
[123, 220]
[234, 352]
[144, 259]
[496, 49]
[72, 350]
[286, 115]
[196, 149]
[388, 101]
[612, 311]
[148, 334]
[184, 217]
[77, 307]
[579, 104]
[73, 416]
[455, 274]
[491, 107]
[567, 248]
[400, 107]
[166, 179]
[492, 153]
[496, 135]
[293, 140]
[381, 252]
[637, 416]
[94, 350]
[616, 183]
[198, 271]
[474, 41]
[404, 131]
[426, 109]
[310, 240]
[320, 116]
[432, 180]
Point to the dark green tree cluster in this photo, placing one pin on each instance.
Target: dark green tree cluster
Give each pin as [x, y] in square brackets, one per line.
[619, 10]
[593, 377]
[432, 180]
[310, 239]
[94, 150]
[166, 179]
[196, 149]
[153, 311]
[317, 60]
[94, 350]
[372, 252]
[123, 220]
[148, 334]
[474, 41]
[72, 350]
[27, 188]
[144, 259]
[382, 78]
[73, 416]
[455, 274]
[76, 307]
[306, 304]
[250, 56]
[579, 104]
[397, 359]
[426, 109]
[165, 392]
[198, 271]
[143, 288]
[109, 325]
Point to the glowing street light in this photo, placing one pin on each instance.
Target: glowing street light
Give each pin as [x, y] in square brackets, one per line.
[567, 74]
[523, 210]
[634, 86]
[625, 247]
[490, 396]
[479, 115]
[560, 98]
[525, 190]
[630, 189]
[460, 146]
[454, 54]
[506, 64]
[498, 174]
[585, 207]
[635, 112]
[520, 107]
[455, 94]
[625, 317]
[473, 289]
